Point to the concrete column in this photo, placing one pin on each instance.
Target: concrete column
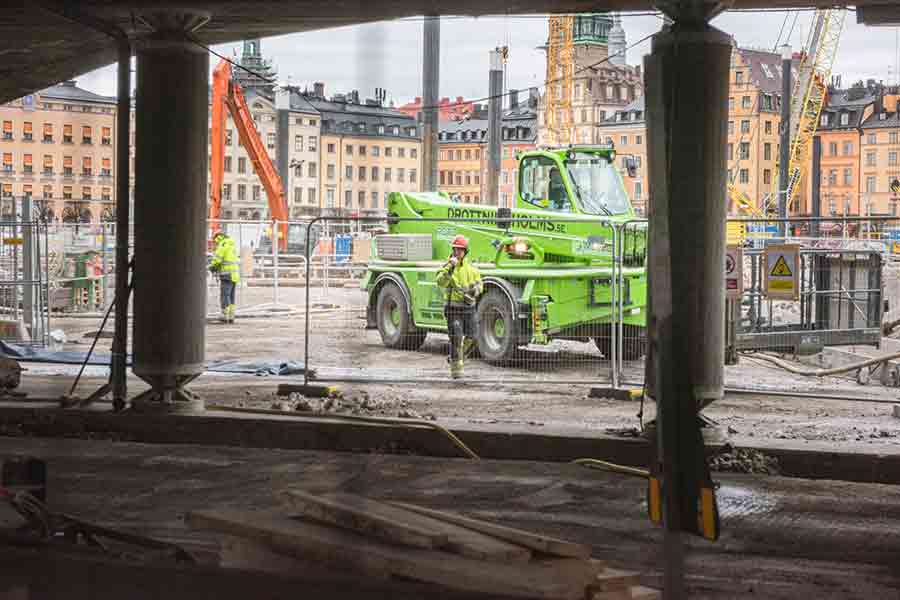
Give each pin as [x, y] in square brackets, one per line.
[171, 120]
[784, 156]
[431, 62]
[495, 110]
[687, 105]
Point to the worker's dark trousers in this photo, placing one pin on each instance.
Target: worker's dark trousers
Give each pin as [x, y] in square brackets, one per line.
[460, 322]
[226, 291]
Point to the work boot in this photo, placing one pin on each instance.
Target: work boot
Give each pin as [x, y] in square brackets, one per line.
[468, 346]
[456, 369]
[229, 313]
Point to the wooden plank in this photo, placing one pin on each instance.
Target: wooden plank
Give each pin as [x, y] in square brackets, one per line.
[559, 579]
[640, 592]
[338, 513]
[365, 516]
[541, 543]
[613, 579]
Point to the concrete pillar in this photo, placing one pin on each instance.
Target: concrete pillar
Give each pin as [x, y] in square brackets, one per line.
[495, 110]
[171, 120]
[687, 105]
[431, 62]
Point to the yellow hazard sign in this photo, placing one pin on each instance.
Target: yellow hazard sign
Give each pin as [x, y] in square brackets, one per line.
[782, 270]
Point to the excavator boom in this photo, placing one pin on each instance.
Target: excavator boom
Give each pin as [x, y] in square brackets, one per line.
[228, 93]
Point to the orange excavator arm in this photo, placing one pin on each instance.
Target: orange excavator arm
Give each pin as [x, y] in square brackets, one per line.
[233, 99]
[221, 77]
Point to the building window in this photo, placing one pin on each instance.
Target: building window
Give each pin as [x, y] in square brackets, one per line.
[311, 169]
[361, 199]
[730, 127]
[443, 178]
[48, 133]
[48, 191]
[331, 149]
[848, 177]
[870, 184]
[86, 193]
[638, 190]
[242, 164]
[298, 195]
[27, 133]
[348, 198]
[348, 173]
[228, 137]
[48, 164]
[892, 159]
[767, 151]
[468, 154]
[832, 177]
[255, 192]
[388, 151]
[638, 140]
[67, 166]
[892, 137]
[848, 148]
[374, 173]
[458, 155]
[362, 150]
[313, 122]
[744, 152]
[623, 141]
[468, 178]
[348, 150]
[329, 170]
[362, 173]
[412, 175]
[86, 137]
[387, 174]
[298, 143]
[67, 134]
[505, 177]
[228, 164]
[329, 198]
[270, 141]
[226, 192]
[745, 126]
[745, 176]
[767, 176]
[242, 192]
[7, 162]
[768, 127]
[311, 195]
[833, 149]
[313, 144]
[823, 121]
[7, 130]
[845, 118]
[871, 159]
[730, 104]
[401, 152]
[106, 136]
[376, 150]
[871, 139]
[745, 102]
[739, 77]
[401, 173]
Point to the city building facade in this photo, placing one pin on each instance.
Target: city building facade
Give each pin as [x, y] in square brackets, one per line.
[519, 133]
[58, 147]
[462, 159]
[626, 131]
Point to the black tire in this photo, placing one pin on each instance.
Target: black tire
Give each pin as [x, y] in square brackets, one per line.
[394, 321]
[497, 333]
[633, 348]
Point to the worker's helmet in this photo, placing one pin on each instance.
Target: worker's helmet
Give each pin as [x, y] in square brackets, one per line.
[460, 241]
[218, 234]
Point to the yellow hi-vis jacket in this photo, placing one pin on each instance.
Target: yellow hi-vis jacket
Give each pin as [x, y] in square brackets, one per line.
[462, 282]
[225, 260]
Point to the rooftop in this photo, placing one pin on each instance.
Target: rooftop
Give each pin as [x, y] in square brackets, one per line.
[68, 90]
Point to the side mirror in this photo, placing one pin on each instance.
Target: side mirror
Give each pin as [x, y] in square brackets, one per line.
[630, 166]
[504, 217]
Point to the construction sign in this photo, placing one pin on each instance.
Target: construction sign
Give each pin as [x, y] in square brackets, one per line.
[782, 271]
[734, 271]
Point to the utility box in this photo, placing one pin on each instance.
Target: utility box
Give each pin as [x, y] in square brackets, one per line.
[411, 246]
[849, 291]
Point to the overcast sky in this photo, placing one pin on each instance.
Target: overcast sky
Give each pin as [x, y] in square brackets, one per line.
[389, 54]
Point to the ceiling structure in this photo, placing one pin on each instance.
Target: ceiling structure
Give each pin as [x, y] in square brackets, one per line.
[43, 42]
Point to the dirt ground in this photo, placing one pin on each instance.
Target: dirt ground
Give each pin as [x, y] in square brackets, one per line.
[548, 388]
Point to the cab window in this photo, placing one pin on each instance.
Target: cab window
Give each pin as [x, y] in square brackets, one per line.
[541, 184]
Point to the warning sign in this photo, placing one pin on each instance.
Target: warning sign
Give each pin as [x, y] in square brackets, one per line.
[895, 186]
[734, 271]
[782, 269]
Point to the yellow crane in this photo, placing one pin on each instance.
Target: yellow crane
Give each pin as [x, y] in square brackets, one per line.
[560, 76]
[809, 95]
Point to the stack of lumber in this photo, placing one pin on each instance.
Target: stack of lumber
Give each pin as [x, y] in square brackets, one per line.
[346, 533]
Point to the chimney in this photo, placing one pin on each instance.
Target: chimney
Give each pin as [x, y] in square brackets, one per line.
[319, 89]
[513, 99]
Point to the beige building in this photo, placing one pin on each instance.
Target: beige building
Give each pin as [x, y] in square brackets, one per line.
[626, 130]
[462, 159]
[366, 152]
[58, 147]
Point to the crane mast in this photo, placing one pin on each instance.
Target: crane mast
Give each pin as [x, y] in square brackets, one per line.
[560, 74]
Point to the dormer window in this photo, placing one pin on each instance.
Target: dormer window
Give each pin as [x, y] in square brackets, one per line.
[845, 118]
[824, 121]
[882, 116]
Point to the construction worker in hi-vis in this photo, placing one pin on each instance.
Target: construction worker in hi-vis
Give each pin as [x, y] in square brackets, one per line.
[462, 282]
[226, 264]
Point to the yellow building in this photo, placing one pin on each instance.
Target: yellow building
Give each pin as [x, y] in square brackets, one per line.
[462, 150]
[626, 130]
[58, 147]
[366, 152]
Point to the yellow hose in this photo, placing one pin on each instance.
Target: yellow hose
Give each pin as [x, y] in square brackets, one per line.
[357, 418]
[595, 463]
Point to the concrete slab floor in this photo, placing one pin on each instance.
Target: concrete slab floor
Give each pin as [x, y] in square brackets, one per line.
[782, 538]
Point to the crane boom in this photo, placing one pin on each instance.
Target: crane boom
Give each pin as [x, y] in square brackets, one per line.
[228, 93]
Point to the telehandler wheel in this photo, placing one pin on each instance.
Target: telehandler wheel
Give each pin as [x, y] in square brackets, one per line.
[634, 345]
[394, 322]
[497, 335]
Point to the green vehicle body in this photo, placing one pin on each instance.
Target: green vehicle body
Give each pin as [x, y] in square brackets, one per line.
[547, 266]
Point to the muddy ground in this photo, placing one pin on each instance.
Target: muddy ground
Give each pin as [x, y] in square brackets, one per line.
[549, 388]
